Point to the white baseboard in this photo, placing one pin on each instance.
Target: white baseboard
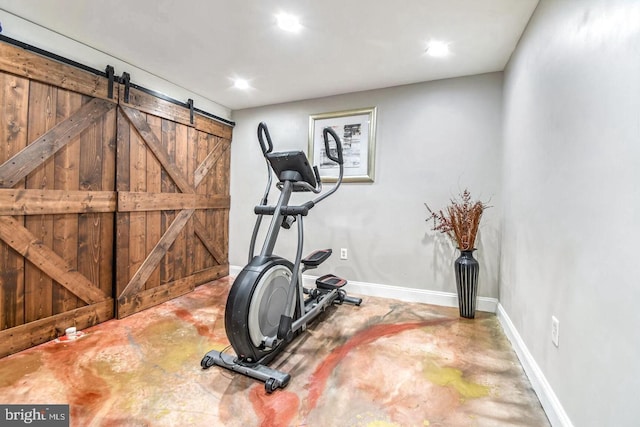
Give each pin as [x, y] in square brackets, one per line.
[424, 296]
[552, 406]
[446, 299]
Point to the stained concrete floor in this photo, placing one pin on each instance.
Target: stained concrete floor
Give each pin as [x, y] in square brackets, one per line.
[386, 363]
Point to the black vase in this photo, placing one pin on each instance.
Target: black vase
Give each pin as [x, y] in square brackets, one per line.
[467, 269]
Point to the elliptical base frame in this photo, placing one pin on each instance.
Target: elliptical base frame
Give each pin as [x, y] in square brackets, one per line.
[272, 378]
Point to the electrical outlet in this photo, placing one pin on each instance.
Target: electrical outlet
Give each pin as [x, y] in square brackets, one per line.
[555, 331]
[343, 253]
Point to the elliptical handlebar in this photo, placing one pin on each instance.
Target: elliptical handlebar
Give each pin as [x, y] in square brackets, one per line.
[339, 160]
[262, 129]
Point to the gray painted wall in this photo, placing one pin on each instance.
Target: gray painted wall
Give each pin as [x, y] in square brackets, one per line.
[433, 140]
[571, 203]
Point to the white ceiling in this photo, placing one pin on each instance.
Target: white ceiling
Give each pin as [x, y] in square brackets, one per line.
[344, 46]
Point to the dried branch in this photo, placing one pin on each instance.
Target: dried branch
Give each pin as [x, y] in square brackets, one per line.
[461, 221]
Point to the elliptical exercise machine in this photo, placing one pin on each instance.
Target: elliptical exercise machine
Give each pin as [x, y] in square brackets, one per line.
[267, 304]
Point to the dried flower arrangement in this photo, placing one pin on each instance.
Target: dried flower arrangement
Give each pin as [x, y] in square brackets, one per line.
[461, 220]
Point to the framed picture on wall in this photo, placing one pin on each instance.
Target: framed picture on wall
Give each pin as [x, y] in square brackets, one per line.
[357, 132]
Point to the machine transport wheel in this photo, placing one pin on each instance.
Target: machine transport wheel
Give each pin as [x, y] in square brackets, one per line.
[206, 362]
[270, 385]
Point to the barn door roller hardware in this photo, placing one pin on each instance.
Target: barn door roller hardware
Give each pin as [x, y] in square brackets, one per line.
[191, 112]
[110, 72]
[126, 80]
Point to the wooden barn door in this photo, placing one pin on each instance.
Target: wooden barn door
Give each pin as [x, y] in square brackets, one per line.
[101, 198]
[57, 198]
[173, 201]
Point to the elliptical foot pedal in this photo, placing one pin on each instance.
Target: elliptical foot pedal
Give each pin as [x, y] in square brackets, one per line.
[316, 258]
[330, 282]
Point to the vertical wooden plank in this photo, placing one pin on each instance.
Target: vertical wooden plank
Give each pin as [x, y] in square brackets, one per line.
[167, 273]
[180, 244]
[218, 185]
[137, 220]
[90, 170]
[107, 220]
[38, 285]
[154, 185]
[201, 252]
[192, 164]
[210, 143]
[211, 214]
[65, 227]
[224, 179]
[14, 93]
[210, 188]
[123, 167]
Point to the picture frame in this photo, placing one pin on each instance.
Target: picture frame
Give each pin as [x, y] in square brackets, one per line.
[357, 132]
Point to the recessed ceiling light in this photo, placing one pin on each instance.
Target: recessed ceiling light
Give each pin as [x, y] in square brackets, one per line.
[288, 22]
[437, 49]
[241, 84]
